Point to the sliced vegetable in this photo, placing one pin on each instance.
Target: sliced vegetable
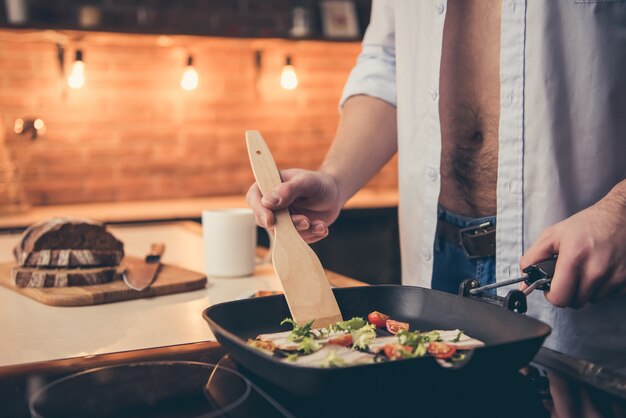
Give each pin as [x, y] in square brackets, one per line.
[362, 337]
[351, 324]
[395, 326]
[441, 350]
[343, 340]
[308, 345]
[298, 333]
[416, 340]
[397, 351]
[321, 333]
[412, 338]
[332, 360]
[355, 341]
[420, 350]
[379, 320]
[431, 336]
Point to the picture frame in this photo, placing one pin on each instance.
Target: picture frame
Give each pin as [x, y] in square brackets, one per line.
[339, 19]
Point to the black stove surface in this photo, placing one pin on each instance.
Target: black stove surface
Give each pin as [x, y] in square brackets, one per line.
[202, 387]
[182, 389]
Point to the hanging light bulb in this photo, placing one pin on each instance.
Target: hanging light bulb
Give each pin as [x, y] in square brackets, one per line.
[190, 76]
[288, 76]
[77, 76]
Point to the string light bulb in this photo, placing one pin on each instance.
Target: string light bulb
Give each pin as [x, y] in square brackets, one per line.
[39, 125]
[76, 79]
[288, 76]
[190, 76]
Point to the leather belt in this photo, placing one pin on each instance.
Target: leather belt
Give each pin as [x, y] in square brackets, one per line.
[476, 241]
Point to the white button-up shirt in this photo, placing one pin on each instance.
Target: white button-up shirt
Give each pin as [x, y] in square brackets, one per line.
[562, 139]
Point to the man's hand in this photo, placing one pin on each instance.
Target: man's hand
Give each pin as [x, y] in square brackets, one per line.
[312, 197]
[365, 141]
[591, 246]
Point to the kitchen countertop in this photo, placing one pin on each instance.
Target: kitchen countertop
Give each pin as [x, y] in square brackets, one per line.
[152, 210]
[41, 344]
[33, 332]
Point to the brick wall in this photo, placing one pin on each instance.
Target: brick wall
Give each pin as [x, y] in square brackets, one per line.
[132, 133]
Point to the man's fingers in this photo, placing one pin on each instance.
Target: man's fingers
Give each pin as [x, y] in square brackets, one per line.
[545, 247]
[265, 220]
[319, 228]
[566, 273]
[295, 186]
[301, 222]
[285, 193]
[316, 232]
[564, 283]
[310, 238]
[263, 216]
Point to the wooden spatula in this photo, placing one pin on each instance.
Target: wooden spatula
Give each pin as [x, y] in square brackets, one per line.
[308, 293]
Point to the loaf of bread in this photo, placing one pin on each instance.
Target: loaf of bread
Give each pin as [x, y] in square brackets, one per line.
[38, 277]
[68, 243]
[70, 258]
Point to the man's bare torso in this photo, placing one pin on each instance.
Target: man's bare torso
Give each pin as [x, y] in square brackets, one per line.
[469, 106]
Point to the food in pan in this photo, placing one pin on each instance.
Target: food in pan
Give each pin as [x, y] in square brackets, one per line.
[357, 341]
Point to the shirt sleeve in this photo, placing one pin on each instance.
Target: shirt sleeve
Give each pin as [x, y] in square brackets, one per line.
[375, 71]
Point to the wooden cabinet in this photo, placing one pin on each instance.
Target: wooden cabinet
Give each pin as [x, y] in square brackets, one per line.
[230, 18]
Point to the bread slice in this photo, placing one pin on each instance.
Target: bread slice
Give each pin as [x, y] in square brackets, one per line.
[38, 277]
[70, 258]
[56, 242]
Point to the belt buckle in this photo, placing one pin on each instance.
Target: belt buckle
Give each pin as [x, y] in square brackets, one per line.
[470, 231]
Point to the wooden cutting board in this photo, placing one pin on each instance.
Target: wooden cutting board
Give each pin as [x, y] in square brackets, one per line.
[171, 279]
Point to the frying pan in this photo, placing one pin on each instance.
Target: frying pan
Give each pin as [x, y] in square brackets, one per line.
[511, 339]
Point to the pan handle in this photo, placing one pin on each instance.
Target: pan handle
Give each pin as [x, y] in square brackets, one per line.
[540, 274]
[514, 301]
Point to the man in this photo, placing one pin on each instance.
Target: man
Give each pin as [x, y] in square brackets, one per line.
[506, 110]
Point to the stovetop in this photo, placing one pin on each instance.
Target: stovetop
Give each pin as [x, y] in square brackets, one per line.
[203, 387]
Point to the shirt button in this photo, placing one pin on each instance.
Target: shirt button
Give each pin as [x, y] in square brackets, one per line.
[439, 7]
[426, 255]
[432, 174]
[434, 94]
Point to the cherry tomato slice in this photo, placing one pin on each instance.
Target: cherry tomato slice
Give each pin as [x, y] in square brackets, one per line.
[342, 340]
[441, 350]
[395, 326]
[397, 351]
[379, 320]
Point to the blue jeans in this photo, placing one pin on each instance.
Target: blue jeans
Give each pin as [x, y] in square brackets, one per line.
[451, 266]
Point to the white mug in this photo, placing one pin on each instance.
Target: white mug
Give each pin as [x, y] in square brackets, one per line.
[229, 242]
